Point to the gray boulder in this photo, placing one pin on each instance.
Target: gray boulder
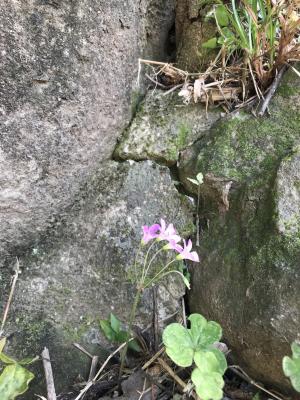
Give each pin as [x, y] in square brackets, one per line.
[163, 127]
[67, 90]
[249, 241]
[80, 272]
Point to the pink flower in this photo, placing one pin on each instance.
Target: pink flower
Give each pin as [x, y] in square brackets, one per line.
[150, 232]
[168, 232]
[185, 252]
[173, 245]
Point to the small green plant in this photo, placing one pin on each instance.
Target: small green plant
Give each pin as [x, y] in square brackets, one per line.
[14, 378]
[198, 182]
[291, 366]
[264, 33]
[196, 345]
[113, 332]
[146, 273]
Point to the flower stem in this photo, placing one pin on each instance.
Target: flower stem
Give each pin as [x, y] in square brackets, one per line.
[160, 272]
[150, 263]
[131, 319]
[146, 259]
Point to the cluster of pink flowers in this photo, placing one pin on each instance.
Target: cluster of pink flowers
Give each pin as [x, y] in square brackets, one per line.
[168, 233]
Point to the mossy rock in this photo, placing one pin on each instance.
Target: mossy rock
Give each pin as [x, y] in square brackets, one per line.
[250, 239]
[162, 128]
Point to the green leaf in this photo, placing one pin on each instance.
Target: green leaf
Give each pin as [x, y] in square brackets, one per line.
[222, 15]
[198, 324]
[193, 181]
[209, 361]
[121, 336]
[14, 381]
[28, 360]
[208, 385]
[179, 345]
[199, 178]
[291, 366]
[133, 345]
[107, 330]
[6, 359]
[295, 350]
[2, 344]
[204, 333]
[222, 360]
[186, 281]
[115, 323]
[227, 33]
[210, 44]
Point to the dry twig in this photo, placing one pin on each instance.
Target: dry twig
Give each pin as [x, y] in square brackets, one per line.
[242, 374]
[51, 395]
[272, 90]
[11, 293]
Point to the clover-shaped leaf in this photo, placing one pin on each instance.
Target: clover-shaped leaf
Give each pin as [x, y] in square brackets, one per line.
[208, 385]
[291, 366]
[179, 344]
[209, 361]
[204, 333]
[295, 350]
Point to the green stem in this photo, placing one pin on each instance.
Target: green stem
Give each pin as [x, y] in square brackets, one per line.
[160, 272]
[175, 272]
[135, 261]
[131, 319]
[149, 265]
[146, 258]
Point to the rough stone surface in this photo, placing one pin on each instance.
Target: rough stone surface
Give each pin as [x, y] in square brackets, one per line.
[163, 127]
[250, 243]
[192, 30]
[68, 69]
[78, 274]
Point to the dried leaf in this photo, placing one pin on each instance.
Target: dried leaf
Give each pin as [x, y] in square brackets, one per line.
[199, 86]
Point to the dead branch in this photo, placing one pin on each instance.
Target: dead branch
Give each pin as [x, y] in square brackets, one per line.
[272, 90]
[51, 395]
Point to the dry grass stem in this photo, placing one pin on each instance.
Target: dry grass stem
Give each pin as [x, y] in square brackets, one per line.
[11, 293]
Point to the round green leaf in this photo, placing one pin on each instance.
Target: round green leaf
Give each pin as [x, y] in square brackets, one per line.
[210, 361]
[204, 333]
[221, 359]
[14, 381]
[179, 345]
[208, 386]
[211, 334]
[198, 324]
[295, 350]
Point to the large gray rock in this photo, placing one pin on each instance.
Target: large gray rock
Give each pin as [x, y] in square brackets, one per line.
[79, 273]
[68, 69]
[163, 127]
[250, 249]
